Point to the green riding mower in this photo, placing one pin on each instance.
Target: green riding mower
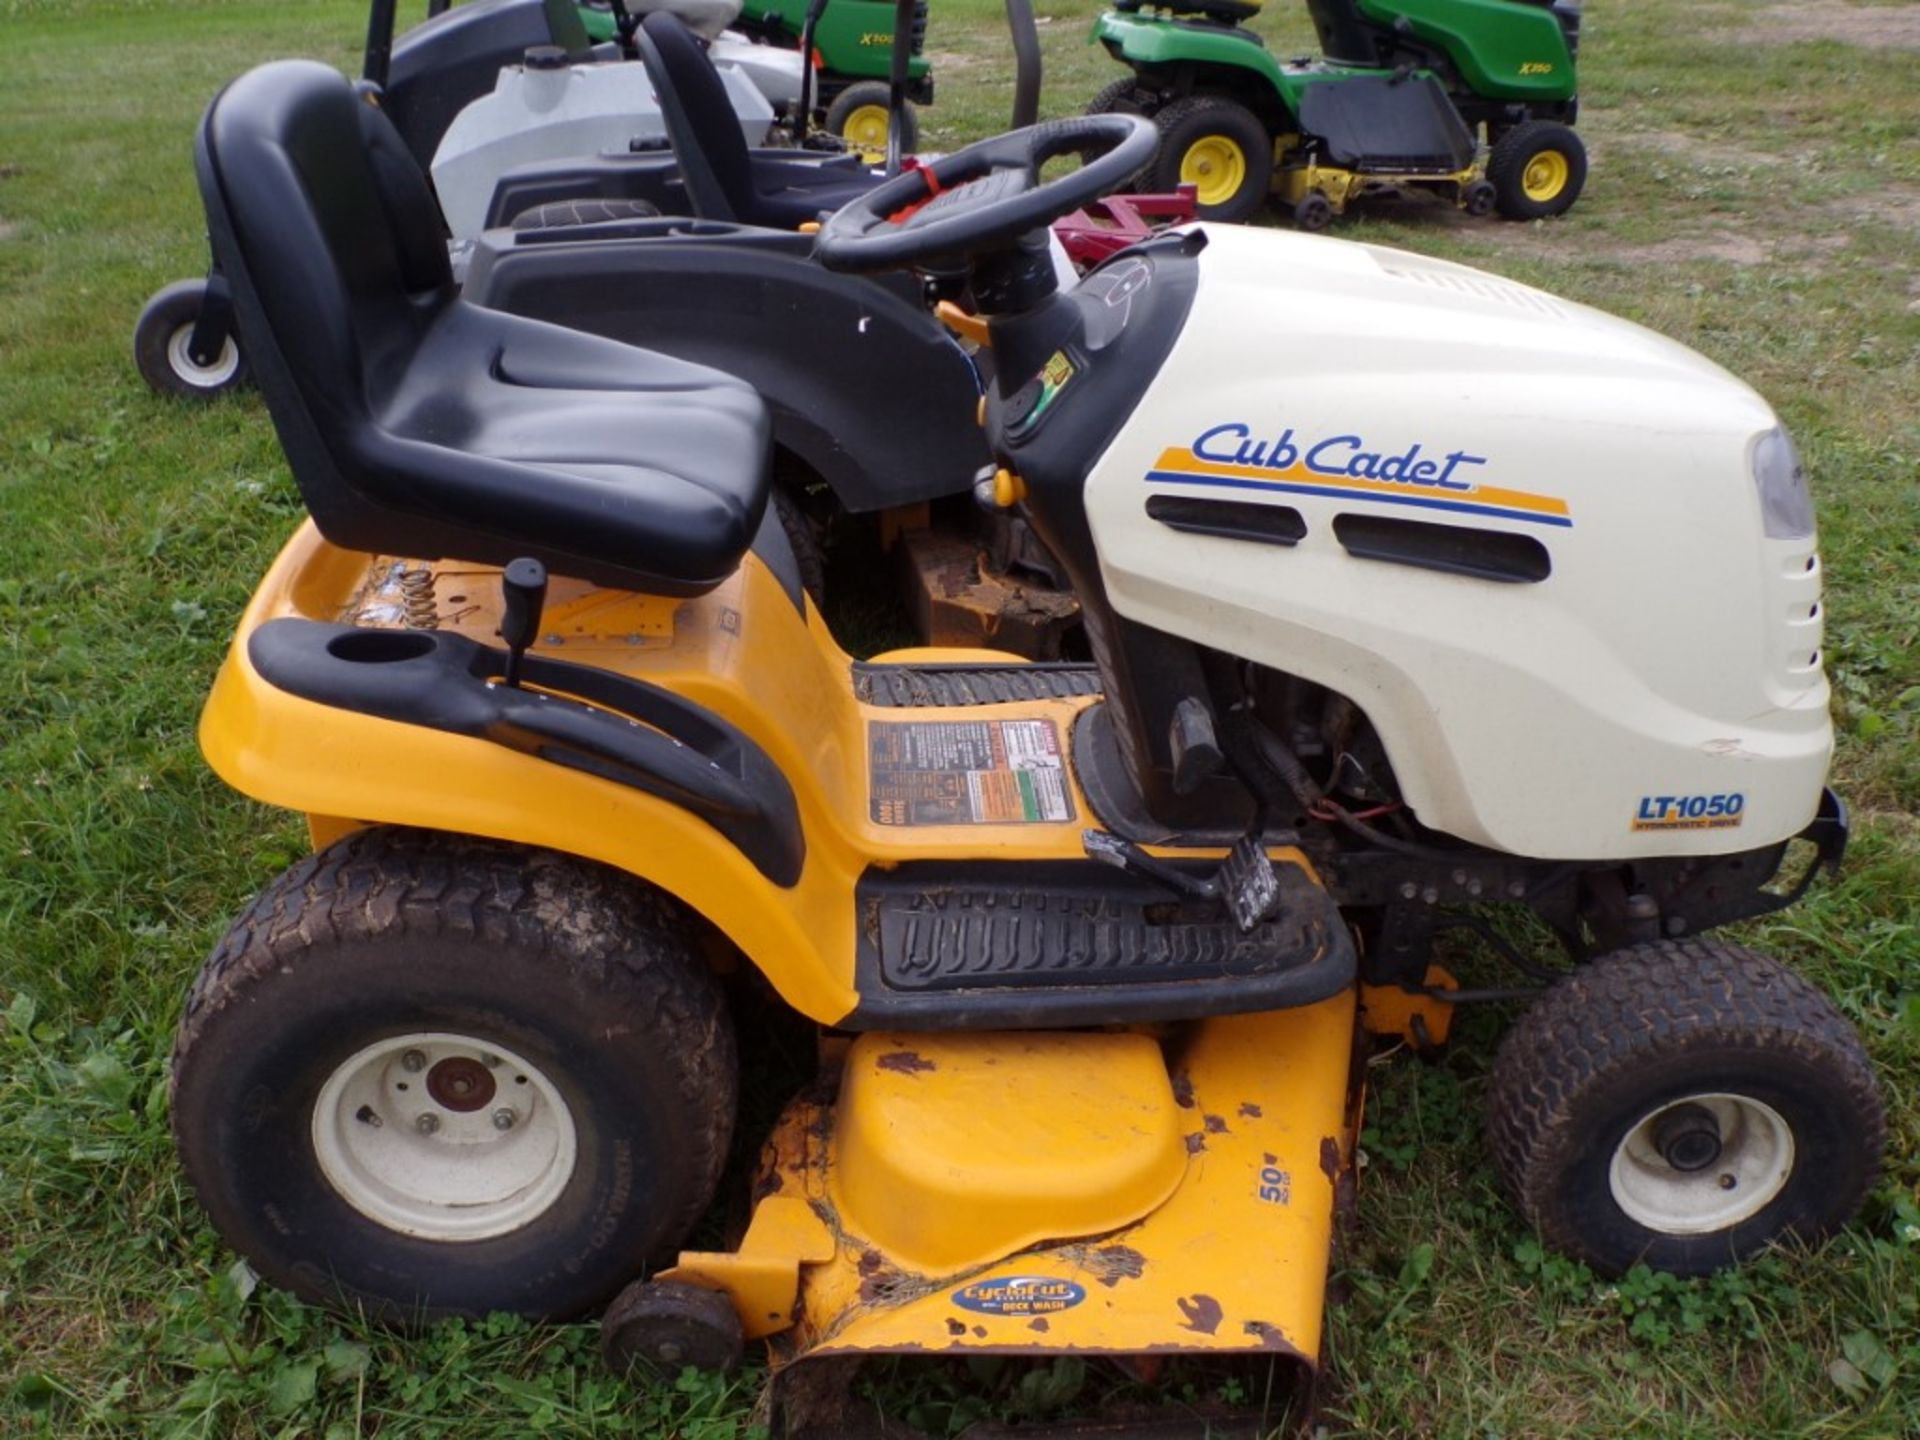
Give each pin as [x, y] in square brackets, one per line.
[850, 43]
[1396, 100]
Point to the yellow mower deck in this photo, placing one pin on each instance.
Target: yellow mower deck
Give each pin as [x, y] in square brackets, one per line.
[993, 1194]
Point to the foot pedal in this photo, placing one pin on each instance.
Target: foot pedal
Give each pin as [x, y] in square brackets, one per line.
[1248, 884]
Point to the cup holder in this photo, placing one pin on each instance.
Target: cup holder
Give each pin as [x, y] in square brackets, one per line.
[379, 647]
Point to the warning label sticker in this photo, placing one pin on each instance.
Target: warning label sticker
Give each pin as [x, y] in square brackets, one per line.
[978, 772]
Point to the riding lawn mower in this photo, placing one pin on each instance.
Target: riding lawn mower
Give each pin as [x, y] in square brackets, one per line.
[1092, 954]
[1397, 99]
[851, 48]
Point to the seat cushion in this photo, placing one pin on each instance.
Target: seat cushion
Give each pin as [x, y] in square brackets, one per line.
[787, 195]
[567, 445]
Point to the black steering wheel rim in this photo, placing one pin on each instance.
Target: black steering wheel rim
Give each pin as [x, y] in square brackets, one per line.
[986, 196]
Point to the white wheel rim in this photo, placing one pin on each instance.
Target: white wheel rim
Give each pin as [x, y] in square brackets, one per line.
[443, 1137]
[206, 377]
[1755, 1159]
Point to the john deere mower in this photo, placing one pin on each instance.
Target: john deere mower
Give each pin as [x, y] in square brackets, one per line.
[1398, 98]
[1089, 950]
[852, 43]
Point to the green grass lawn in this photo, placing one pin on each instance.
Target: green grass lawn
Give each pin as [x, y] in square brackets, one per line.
[1755, 194]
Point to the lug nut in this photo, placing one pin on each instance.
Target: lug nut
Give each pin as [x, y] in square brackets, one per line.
[670, 1352]
[427, 1124]
[414, 1061]
[504, 1118]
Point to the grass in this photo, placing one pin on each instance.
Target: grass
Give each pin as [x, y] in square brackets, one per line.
[1755, 194]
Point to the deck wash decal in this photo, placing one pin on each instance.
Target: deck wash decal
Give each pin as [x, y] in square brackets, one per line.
[968, 772]
[1019, 1295]
[1347, 467]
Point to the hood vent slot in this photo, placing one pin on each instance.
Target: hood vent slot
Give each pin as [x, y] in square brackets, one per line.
[1455, 549]
[1229, 519]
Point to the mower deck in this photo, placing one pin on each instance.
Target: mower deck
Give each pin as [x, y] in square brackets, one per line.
[1008, 1193]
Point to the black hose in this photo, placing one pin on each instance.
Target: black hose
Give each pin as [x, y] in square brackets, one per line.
[1500, 945]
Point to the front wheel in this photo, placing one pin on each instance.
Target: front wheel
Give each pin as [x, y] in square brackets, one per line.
[162, 344]
[1537, 169]
[1219, 147]
[859, 116]
[426, 1074]
[1684, 1105]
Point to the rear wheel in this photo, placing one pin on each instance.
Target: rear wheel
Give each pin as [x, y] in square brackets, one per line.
[1220, 148]
[428, 1074]
[858, 115]
[1537, 169]
[162, 343]
[1684, 1105]
[1123, 97]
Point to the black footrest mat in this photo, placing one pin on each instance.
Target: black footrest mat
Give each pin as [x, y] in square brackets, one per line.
[995, 944]
[913, 686]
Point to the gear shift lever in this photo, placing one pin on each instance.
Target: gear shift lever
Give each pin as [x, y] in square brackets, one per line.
[523, 586]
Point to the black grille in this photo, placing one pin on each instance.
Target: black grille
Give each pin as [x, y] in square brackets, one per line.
[919, 26]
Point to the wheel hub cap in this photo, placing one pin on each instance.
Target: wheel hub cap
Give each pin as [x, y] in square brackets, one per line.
[866, 132]
[1545, 176]
[1215, 167]
[180, 356]
[460, 1083]
[443, 1136]
[1702, 1164]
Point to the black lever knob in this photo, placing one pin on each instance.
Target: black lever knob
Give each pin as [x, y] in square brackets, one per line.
[523, 589]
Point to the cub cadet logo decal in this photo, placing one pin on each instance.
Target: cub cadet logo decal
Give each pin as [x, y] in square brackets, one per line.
[1348, 467]
[1019, 1295]
[1689, 812]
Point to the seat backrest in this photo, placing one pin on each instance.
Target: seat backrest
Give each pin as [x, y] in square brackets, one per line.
[440, 67]
[1345, 32]
[707, 140]
[326, 231]
[418, 424]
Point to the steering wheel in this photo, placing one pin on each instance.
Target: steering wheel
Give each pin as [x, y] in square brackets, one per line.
[986, 196]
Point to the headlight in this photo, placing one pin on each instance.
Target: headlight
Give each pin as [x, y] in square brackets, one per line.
[1786, 510]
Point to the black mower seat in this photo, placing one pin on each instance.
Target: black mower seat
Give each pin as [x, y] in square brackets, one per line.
[725, 179]
[1227, 12]
[420, 425]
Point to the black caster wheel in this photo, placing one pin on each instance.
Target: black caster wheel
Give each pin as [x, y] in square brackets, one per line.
[664, 1325]
[1313, 213]
[161, 347]
[1479, 198]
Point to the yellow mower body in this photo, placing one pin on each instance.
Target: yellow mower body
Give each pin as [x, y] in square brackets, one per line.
[1123, 1190]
